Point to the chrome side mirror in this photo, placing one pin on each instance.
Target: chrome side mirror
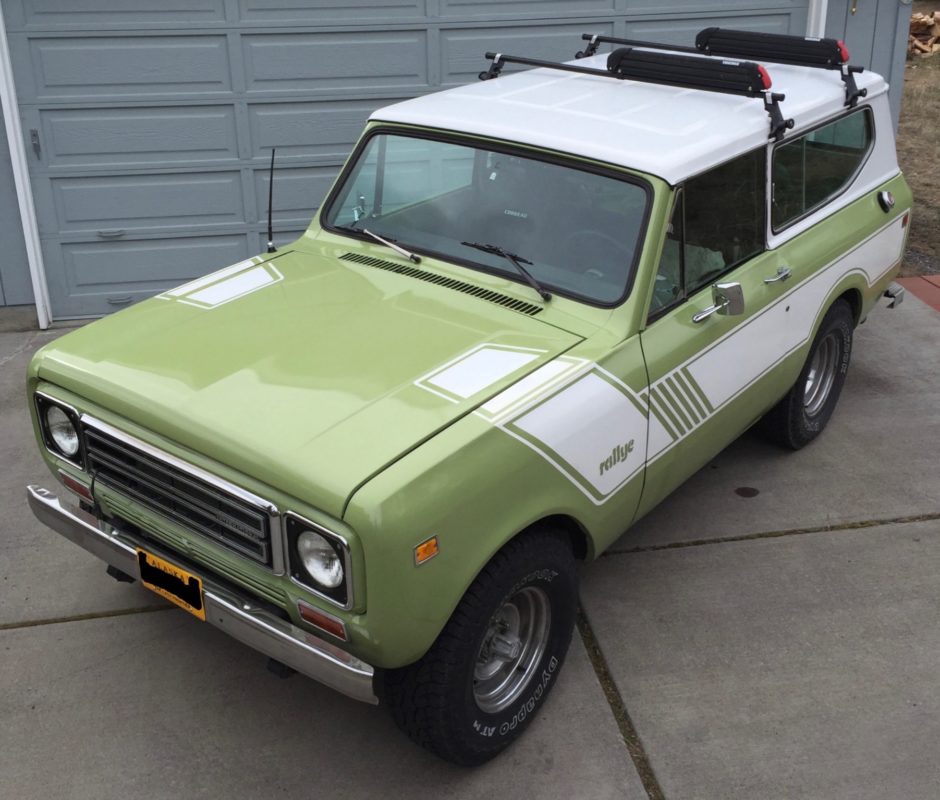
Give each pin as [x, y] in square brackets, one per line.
[727, 299]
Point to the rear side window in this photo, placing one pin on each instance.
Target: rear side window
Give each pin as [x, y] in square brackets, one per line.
[815, 168]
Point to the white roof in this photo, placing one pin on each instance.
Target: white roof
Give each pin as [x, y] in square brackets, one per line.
[663, 130]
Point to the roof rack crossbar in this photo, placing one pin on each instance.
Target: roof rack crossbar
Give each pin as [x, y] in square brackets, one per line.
[500, 60]
[690, 72]
[594, 40]
[783, 48]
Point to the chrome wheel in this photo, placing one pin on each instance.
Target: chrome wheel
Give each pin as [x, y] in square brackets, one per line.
[512, 648]
[822, 374]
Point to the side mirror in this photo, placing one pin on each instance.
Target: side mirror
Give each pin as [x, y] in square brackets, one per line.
[727, 299]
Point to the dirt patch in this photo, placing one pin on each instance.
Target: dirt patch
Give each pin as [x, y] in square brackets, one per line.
[919, 156]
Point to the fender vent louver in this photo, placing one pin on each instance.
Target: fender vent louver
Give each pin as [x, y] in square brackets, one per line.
[450, 283]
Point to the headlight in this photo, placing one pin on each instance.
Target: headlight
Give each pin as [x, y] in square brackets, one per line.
[320, 559]
[58, 423]
[62, 431]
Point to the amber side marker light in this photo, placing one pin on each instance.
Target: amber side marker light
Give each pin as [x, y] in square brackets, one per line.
[426, 550]
[322, 620]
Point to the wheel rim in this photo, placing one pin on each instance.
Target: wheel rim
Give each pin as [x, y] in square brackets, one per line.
[822, 374]
[512, 648]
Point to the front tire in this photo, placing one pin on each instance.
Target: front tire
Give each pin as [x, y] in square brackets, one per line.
[494, 664]
[804, 411]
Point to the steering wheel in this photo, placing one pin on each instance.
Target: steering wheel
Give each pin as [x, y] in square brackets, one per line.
[580, 240]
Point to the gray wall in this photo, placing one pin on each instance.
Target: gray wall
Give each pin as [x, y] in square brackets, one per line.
[15, 286]
[876, 35]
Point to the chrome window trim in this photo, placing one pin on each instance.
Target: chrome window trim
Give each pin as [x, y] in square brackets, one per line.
[75, 414]
[278, 560]
[347, 561]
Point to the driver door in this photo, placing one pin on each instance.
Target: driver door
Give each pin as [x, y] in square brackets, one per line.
[706, 371]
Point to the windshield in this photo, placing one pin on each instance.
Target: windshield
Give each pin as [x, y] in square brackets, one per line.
[577, 232]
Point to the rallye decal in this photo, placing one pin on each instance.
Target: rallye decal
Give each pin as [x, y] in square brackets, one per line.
[593, 430]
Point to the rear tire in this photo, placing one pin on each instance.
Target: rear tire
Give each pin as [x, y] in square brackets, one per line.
[490, 670]
[804, 411]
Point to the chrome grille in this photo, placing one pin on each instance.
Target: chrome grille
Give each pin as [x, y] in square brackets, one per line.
[179, 495]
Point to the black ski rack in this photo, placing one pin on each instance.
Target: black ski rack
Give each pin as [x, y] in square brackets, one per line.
[776, 47]
[690, 72]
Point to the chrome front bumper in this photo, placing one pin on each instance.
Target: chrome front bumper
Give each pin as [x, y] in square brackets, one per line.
[232, 612]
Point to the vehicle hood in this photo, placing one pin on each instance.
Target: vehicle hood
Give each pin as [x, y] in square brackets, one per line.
[305, 371]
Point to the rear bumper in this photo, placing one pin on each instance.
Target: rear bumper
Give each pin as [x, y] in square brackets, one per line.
[230, 611]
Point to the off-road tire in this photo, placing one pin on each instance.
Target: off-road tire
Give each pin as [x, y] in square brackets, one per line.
[434, 701]
[802, 413]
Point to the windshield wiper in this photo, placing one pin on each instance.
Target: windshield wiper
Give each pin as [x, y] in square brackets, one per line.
[516, 261]
[387, 242]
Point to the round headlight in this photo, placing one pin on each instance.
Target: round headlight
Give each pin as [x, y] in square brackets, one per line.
[62, 431]
[320, 560]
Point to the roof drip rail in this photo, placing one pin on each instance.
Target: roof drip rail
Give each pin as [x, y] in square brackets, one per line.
[689, 72]
[784, 49]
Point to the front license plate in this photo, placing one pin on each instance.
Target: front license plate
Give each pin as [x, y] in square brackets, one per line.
[169, 581]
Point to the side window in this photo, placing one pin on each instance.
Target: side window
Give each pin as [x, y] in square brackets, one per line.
[818, 166]
[717, 223]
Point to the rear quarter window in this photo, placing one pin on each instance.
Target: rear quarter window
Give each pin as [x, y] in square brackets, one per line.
[810, 171]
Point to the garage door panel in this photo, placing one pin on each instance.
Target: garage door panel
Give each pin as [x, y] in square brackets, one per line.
[462, 49]
[148, 202]
[101, 277]
[682, 31]
[718, 7]
[129, 66]
[49, 13]
[360, 61]
[323, 130]
[528, 8]
[323, 13]
[158, 136]
[297, 193]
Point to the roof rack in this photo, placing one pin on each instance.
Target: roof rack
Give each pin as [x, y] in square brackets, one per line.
[777, 47]
[728, 77]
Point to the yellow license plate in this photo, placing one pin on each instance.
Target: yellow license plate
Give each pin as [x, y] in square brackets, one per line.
[171, 582]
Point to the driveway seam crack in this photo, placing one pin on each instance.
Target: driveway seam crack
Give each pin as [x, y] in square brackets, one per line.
[121, 612]
[618, 708]
[746, 537]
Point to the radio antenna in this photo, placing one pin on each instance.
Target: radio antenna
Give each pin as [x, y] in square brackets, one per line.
[271, 247]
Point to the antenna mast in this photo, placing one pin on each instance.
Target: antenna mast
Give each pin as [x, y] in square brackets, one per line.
[271, 247]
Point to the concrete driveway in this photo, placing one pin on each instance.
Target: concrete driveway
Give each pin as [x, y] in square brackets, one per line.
[777, 644]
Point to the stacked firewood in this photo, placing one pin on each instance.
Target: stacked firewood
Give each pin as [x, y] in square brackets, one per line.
[924, 39]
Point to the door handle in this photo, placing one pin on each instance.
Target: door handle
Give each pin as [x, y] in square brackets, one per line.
[114, 234]
[783, 273]
[34, 141]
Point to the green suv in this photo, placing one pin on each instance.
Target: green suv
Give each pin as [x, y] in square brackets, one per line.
[527, 311]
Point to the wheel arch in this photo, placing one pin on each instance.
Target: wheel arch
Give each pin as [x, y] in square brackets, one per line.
[582, 545]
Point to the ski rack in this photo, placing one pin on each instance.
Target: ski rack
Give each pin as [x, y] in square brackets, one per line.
[743, 78]
[776, 47]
